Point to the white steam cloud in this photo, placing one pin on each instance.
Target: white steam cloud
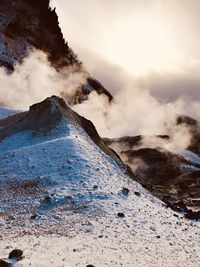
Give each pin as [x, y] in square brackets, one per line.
[145, 104]
[120, 36]
[34, 80]
[136, 112]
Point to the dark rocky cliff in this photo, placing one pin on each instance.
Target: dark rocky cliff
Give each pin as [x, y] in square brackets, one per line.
[28, 24]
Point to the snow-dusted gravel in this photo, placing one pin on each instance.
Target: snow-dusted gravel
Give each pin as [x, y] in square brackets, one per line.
[5, 112]
[60, 201]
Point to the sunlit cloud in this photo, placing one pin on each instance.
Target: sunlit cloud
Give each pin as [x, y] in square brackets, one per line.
[139, 36]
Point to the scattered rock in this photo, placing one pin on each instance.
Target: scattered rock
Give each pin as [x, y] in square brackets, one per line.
[16, 254]
[46, 200]
[95, 187]
[120, 214]
[138, 194]
[180, 206]
[125, 191]
[34, 216]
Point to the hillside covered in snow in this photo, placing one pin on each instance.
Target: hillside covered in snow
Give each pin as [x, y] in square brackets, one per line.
[66, 198]
[69, 197]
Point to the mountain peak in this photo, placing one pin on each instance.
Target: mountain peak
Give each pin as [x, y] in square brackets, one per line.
[50, 105]
[45, 116]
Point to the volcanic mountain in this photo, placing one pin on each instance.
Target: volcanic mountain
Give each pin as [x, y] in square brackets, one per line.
[66, 198]
[69, 197]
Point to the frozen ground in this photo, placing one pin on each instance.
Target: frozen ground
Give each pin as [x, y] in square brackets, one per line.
[5, 112]
[63, 202]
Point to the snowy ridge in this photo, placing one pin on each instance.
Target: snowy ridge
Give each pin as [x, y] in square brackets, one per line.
[82, 214]
[5, 112]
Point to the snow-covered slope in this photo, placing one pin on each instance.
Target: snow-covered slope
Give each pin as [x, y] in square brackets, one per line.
[5, 112]
[67, 201]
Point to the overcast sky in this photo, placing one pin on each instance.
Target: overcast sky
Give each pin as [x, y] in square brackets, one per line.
[151, 43]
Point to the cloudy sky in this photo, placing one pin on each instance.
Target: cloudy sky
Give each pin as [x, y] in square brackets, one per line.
[153, 43]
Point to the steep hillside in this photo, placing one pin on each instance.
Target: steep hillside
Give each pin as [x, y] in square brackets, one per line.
[66, 200]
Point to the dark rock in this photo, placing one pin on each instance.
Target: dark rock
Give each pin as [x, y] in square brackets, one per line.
[177, 206]
[192, 215]
[125, 191]
[5, 263]
[138, 194]
[180, 206]
[90, 265]
[16, 254]
[34, 216]
[46, 200]
[120, 214]
[95, 187]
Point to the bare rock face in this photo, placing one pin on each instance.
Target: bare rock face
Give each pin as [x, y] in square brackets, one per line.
[29, 24]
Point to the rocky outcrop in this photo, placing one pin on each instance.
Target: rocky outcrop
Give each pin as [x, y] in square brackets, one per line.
[167, 175]
[38, 27]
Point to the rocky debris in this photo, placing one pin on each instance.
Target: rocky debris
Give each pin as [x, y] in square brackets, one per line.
[46, 200]
[95, 187]
[125, 191]
[179, 206]
[16, 254]
[120, 214]
[34, 216]
[138, 194]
